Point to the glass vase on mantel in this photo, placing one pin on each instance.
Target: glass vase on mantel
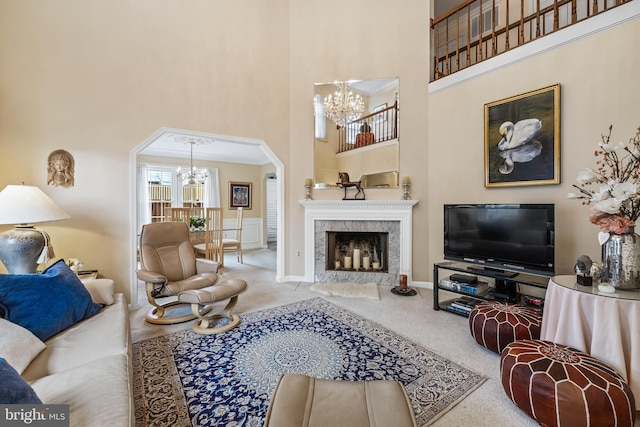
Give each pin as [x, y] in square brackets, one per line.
[621, 260]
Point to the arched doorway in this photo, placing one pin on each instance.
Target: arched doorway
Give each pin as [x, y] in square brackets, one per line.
[251, 146]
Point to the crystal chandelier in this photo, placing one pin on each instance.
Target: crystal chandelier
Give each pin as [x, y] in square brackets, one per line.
[192, 176]
[343, 106]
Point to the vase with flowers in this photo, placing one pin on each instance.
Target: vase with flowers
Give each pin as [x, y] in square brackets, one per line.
[612, 190]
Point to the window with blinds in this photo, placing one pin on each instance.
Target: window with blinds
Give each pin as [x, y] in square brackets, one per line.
[193, 195]
[165, 191]
[160, 191]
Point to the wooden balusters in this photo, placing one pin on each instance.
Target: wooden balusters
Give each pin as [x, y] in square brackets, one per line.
[461, 21]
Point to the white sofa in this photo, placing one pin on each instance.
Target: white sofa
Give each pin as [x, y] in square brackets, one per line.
[88, 367]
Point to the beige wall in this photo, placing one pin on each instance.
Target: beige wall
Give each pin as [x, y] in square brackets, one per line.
[98, 77]
[598, 86]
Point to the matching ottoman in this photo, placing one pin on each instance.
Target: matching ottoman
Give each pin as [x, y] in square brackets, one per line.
[301, 400]
[202, 299]
[560, 386]
[495, 324]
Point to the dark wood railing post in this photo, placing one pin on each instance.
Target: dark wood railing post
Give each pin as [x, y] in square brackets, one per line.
[446, 46]
[537, 18]
[457, 41]
[506, 26]
[468, 37]
[494, 46]
[521, 37]
[480, 30]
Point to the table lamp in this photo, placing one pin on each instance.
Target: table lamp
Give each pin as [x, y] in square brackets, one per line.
[21, 248]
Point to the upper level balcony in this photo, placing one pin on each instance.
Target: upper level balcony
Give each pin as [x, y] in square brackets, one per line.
[477, 30]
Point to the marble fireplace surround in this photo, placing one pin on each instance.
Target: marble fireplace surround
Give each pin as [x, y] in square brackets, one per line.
[394, 216]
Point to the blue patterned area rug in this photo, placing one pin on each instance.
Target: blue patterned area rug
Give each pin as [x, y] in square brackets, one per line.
[186, 379]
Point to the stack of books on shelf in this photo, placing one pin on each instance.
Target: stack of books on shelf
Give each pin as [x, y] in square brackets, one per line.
[463, 305]
[477, 288]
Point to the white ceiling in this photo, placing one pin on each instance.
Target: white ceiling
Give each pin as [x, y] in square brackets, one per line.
[219, 148]
[370, 86]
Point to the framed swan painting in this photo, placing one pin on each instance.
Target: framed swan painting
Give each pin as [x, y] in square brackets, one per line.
[522, 139]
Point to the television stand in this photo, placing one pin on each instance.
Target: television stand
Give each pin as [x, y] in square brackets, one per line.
[517, 288]
[492, 272]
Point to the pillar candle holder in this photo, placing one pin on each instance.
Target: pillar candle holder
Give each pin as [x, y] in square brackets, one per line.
[308, 183]
[405, 191]
[406, 184]
[403, 289]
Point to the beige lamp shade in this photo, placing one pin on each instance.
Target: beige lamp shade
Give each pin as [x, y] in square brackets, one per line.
[26, 204]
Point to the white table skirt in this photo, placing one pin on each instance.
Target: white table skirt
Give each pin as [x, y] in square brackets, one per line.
[607, 328]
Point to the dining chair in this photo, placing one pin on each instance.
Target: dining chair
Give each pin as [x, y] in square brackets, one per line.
[177, 214]
[197, 211]
[212, 246]
[235, 244]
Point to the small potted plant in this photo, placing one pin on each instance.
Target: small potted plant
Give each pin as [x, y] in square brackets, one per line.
[196, 223]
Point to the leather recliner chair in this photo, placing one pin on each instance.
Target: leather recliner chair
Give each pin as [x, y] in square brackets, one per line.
[169, 266]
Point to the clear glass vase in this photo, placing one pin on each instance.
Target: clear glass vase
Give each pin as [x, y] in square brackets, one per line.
[621, 260]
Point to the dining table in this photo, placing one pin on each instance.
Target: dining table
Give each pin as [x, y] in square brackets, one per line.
[198, 236]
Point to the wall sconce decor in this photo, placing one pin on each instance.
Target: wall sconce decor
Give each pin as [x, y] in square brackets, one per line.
[60, 169]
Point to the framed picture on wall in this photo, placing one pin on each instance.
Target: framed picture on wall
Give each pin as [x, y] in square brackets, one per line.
[381, 116]
[239, 195]
[522, 139]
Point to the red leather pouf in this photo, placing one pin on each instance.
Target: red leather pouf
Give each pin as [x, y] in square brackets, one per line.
[560, 386]
[495, 324]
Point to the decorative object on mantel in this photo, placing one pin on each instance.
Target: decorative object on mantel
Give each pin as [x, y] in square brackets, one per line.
[406, 184]
[402, 288]
[345, 182]
[60, 169]
[616, 208]
[308, 183]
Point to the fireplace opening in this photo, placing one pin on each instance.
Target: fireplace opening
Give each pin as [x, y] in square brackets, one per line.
[357, 251]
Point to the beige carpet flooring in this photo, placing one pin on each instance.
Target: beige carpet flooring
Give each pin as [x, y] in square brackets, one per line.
[444, 333]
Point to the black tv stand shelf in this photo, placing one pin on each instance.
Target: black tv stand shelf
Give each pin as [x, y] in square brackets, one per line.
[489, 272]
[511, 281]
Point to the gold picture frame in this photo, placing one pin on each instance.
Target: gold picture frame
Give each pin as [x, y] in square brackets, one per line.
[240, 195]
[522, 139]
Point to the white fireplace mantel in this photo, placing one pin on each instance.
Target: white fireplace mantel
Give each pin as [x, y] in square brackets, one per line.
[358, 210]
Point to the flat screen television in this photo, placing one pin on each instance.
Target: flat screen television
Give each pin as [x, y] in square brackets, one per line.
[501, 237]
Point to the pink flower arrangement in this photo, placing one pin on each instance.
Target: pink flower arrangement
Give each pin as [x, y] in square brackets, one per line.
[615, 224]
[616, 201]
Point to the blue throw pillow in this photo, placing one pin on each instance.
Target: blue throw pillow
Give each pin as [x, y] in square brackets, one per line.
[13, 389]
[46, 303]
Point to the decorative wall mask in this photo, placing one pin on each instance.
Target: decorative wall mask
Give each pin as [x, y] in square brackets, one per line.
[60, 169]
